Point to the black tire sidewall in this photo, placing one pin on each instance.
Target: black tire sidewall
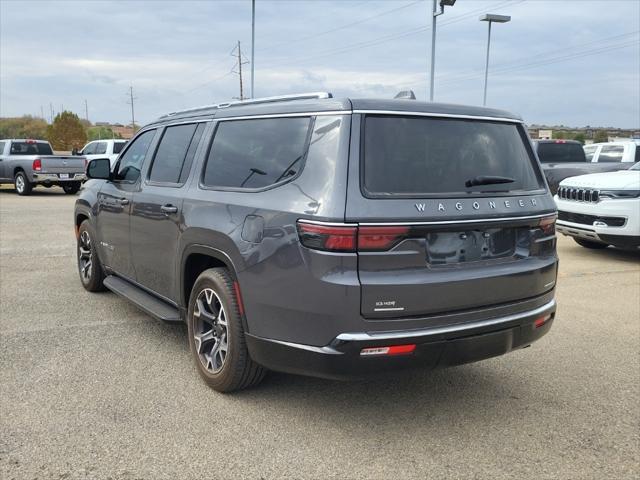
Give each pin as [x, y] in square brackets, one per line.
[71, 188]
[220, 281]
[97, 276]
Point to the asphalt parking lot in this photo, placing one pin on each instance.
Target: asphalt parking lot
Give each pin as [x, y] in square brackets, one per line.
[90, 387]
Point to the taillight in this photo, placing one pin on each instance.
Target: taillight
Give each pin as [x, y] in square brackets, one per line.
[380, 238]
[390, 350]
[548, 224]
[328, 237]
[37, 165]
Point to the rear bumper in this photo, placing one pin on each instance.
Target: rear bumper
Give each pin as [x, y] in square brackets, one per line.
[435, 347]
[55, 178]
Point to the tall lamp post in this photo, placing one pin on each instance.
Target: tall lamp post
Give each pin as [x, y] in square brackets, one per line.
[490, 18]
[436, 14]
[253, 43]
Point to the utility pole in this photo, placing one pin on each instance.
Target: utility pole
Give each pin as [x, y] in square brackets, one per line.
[240, 63]
[42, 112]
[253, 44]
[131, 99]
[51, 110]
[86, 110]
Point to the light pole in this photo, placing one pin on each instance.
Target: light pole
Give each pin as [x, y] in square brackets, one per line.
[490, 18]
[253, 42]
[436, 14]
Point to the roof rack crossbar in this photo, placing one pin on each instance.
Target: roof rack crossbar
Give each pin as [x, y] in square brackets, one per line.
[254, 101]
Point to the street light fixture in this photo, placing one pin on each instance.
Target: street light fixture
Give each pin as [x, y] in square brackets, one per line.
[443, 3]
[490, 18]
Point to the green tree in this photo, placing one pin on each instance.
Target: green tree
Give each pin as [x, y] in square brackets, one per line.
[23, 127]
[580, 138]
[559, 134]
[66, 132]
[100, 133]
[601, 136]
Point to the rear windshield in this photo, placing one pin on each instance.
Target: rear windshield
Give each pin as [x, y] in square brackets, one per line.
[418, 156]
[561, 152]
[117, 146]
[30, 148]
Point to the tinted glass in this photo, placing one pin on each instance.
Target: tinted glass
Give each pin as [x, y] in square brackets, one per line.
[117, 146]
[89, 149]
[175, 153]
[589, 152]
[420, 156]
[611, 154]
[30, 148]
[101, 148]
[1, 148]
[130, 163]
[561, 152]
[636, 159]
[256, 153]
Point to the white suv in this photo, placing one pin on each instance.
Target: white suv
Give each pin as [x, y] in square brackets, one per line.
[601, 209]
[103, 149]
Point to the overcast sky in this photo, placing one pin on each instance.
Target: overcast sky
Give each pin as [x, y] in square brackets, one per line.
[572, 62]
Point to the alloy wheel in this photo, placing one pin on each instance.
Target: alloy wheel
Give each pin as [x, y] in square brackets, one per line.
[84, 253]
[210, 330]
[20, 184]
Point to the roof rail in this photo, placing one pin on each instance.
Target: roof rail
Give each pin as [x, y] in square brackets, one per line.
[255, 101]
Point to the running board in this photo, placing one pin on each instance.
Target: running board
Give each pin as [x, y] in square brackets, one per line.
[145, 301]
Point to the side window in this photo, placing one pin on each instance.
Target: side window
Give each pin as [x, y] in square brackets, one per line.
[256, 153]
[117, 147]
[611, 153]
[89, 149]
[101, 148]
[2, 148]
[175, 153]
[637, 157]
[130, 162]
[590, 152]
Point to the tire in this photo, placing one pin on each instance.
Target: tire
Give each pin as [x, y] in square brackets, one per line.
[89, 267]
[71, 188]
[216, 334]
[22, 184]
[590, 244]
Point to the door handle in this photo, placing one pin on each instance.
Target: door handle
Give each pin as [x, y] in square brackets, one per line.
[123, 201]
[167, 209]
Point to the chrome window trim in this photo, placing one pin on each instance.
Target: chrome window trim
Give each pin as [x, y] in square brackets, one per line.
[283, 115]
[438, 115]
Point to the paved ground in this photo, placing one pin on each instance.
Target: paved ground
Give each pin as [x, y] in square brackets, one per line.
[92, 388]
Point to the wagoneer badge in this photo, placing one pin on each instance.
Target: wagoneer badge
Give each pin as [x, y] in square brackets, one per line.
[460, 206]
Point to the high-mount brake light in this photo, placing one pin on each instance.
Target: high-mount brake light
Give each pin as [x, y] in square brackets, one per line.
[380, 238]
[37, 165]
[548, 224]
[331, 238]
[390, 350]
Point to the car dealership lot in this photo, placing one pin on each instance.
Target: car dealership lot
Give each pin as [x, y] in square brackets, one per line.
[90, 387]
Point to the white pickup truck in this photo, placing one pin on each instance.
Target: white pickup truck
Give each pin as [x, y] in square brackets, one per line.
[103, 149]
[27, 163]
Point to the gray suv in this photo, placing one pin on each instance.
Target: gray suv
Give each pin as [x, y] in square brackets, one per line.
[327, 237]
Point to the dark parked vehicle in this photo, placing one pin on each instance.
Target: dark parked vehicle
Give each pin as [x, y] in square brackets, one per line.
[327, 237]
[561, 159]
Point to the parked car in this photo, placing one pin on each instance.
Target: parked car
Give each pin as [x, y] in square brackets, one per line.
[566, 158]
[27, 163]
[327, 237]
[601, 209]
[103, 149]
[614, 152]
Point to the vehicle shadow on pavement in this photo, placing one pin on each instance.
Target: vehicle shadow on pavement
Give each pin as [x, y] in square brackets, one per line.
[36, 192]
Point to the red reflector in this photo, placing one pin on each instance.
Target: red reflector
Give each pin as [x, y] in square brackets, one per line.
[541, 321]
[37, 164]
[380, 238]
[392, 350]
[328, 237]
[548, 224]
[236, 287]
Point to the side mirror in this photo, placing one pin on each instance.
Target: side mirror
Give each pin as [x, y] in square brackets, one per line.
[74, 151]
[100, 169]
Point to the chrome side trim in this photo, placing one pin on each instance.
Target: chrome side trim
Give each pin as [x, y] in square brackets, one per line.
[453, 222]
[327, 224]
[461, 328]
[439, 115]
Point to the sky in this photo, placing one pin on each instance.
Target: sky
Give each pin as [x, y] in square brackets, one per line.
[569, 62]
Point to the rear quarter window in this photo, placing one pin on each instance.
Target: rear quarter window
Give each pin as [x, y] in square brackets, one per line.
[611, 154]
[561, 153]
[420, 156]
[117, 146]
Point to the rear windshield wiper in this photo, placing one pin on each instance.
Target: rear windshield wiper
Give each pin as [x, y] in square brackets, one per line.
[487, 180]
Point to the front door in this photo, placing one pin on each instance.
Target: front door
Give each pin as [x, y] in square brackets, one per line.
[114, 207]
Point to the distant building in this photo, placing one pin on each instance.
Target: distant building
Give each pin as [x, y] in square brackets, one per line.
[125, 132]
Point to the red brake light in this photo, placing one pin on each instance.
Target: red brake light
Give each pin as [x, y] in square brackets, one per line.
[391, 350]
[548, 224]
[380, 238]
[328, 237]
[561, 141]
[37, 165]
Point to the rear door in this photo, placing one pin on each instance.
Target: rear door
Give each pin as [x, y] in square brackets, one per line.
[157, 208]
[449, 214]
